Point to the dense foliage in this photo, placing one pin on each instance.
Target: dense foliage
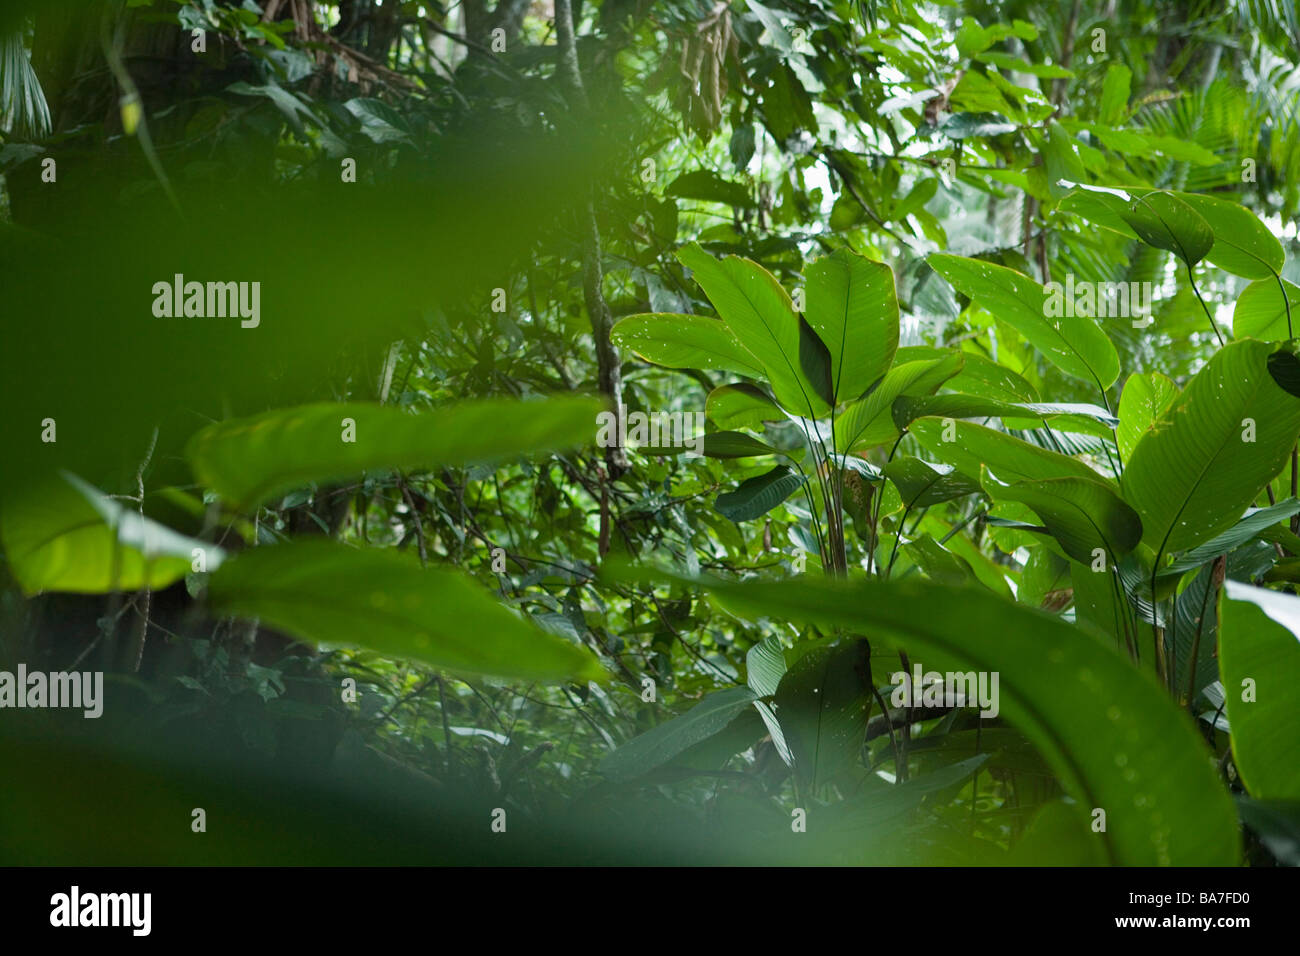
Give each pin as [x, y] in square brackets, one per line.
[636, 390]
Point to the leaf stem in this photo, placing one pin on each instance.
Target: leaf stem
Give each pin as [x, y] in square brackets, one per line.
[875, 518]
[1213, 327]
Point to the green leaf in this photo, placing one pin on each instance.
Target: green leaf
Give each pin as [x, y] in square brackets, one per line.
[1102, 205]
[741, 406]
[1060, 834]
[379, 121]
[1011, 64]
[759, 313]
[1076, 346]
[1009, 458]
[1193, 475]
[972, 38]
[1242, 244]
[914, 201]
[975, 93]
[1261, 312]
[708, 185]
[1142, 403]
[248, 460]
[774, 730]
[986, 379]
[815, 363]
[1255, 521]
[853, 307]
[735, 445]
[322, 591]
[287, 103]
[741, 146]
[1082, 514]
[66, 535]
[961, 125]
[937, 563]
[1278, 824]
[1100, 605]
[1122, 141]
[1061, 159]
[787, 107]
[1087, 710]
[1183, 150]
[759, 495]
[1191, 225]
[822, 705]
[765, 666]
[1044, 573]
[907, 409]
[771, 20]
[1163, 220]
[685, 341]
[854, 820]
[712, 753]
[657, 747]
[1259, 660]
[21, 95]
[1195, 631]
[1113, 107]
[868, 421]
[921, 484]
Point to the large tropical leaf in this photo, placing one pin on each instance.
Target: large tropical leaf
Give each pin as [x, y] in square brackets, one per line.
[759, 495]
[868, 422]
[977, 375]
[1082, 514]
[250, 459]
[765, 666]
[1262, 313]
[822, 706]
[1224, 438]
[1259, 660]
[65, 535]
[1077, 346]
[735, 445]
[1086, 708]
[921, 484]
[1191, 225]
[1143, 402]
[1252, 524]
[741, 406]
[853, 308]
[685, 341]
[322, 591]
[1242, 245]
[657, 747]
[761, 316]
[1070, 416]
[1163, 220]
[1011, 459]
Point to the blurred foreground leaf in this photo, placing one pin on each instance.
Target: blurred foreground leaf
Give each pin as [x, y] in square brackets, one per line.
[385, 602]
[251, 459]
[65, 535]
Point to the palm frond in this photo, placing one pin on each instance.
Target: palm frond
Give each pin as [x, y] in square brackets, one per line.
[22, 101]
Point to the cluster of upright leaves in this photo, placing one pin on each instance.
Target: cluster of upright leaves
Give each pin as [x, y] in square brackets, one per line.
[1170, 489]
